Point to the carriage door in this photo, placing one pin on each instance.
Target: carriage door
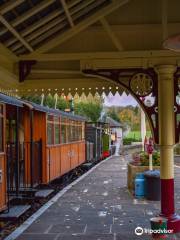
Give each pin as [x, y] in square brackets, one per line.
[2, 160]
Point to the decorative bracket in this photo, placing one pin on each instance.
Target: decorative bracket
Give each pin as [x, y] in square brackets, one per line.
[25, 69]
[141, 84]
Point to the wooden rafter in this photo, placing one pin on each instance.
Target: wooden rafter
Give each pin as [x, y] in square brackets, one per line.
[111, 34]
[47, 57]
[82, 25]
[15, 33]
[35, 26]
[29, 14]
[52, 71]
[41, 31]
[44, 21]
[9, 6]
[49, 33]
[68, 15]
[79, 7]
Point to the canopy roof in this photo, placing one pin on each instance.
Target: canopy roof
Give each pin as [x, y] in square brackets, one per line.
[20, 103]
[64, 37]
[10, 100]
[113, 123]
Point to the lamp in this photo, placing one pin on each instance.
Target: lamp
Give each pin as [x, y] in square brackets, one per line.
[172, 43]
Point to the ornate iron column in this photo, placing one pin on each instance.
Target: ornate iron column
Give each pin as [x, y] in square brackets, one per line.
[167, 140]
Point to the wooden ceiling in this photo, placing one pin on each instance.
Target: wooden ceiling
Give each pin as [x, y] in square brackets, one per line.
[66, 36]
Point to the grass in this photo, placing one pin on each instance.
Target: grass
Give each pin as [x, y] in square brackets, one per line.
[137, 135]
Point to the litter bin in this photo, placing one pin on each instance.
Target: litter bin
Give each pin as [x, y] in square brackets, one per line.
[153, 186]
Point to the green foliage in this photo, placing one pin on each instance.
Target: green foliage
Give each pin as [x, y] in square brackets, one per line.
[105, 140]
[136, 135]
[177, 149]
[90, 110]
[49, 101]
[62, 104]
[34, 98]
[113, 114]
[128, 141]
[144, 159]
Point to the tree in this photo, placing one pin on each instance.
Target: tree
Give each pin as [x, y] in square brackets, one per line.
[32, 98]
[113, 114]
[90, 110]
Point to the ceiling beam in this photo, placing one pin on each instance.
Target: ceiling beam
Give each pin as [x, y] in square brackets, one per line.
[29, 14]
[111, 34]
[81, 26]
[68, 15]
[50, 57]
[42, 30]
[35, 26]
[44, 21]
[15, 33]
[53, 71]
[8, 6]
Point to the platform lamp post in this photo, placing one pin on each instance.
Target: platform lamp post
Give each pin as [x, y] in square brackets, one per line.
[143, 125]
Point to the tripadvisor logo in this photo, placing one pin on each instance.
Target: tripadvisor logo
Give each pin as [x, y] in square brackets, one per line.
[139, 231]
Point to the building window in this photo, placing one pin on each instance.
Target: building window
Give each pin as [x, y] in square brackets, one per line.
[1, 128]
[50, 130]
[57, 130]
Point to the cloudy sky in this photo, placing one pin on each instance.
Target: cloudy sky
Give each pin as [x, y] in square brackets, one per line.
[118, 100]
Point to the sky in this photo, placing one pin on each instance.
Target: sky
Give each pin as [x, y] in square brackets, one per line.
[118, 100]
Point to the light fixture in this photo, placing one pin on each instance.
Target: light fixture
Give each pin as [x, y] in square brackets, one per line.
[172, 43]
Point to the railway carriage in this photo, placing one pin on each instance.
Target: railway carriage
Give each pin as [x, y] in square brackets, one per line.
[37, 145]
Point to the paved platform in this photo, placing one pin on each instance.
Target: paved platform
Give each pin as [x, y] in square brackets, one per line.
[99, 207]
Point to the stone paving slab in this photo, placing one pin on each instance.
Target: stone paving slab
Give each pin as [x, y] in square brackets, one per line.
[99, 207]
[14, 212]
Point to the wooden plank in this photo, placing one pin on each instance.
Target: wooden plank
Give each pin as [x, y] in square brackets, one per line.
[111, 34]
[29, 14]
[15, 33]
[81, 26]
[8, 6]
[68, 15]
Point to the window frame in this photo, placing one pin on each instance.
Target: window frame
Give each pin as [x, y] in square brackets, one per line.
[52, 127]
[2, 116]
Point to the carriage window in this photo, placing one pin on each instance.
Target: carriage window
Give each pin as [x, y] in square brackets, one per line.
[57, 130]
[82, 131]
[63, 130]
[1, 128]
[50, 130]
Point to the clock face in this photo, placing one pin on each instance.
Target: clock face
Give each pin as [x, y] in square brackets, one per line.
[141, 84]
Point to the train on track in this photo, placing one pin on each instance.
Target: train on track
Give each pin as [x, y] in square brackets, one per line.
[39, 144]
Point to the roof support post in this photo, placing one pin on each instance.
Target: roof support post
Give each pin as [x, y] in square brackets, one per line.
[167, 143]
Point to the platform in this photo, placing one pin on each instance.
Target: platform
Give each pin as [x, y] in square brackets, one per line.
[99, 207]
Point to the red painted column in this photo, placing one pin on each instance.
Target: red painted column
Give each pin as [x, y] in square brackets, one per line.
[166, 143]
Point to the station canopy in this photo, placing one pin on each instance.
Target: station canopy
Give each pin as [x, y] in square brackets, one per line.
[46, 44]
